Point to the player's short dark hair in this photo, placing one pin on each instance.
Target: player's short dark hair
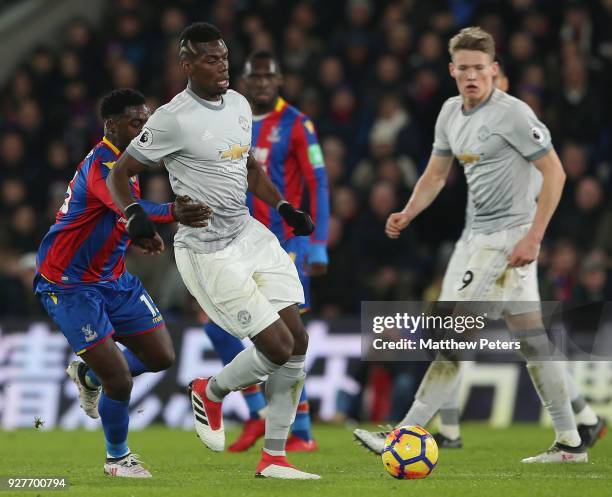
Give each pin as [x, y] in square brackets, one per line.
[200, 32]
[115, 102]
[261, 55]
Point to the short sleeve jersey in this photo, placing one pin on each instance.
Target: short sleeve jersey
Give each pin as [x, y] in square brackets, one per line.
[204, 147]
[495, 143]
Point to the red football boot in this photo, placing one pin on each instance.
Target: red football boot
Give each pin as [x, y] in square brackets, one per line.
[207, 416]
[278, 467]
[297, 444]
[252, 431]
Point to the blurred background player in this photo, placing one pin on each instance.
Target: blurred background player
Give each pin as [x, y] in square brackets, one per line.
[82, 282]
[590, 426]
[235, 267]
[497, 139]
[285, 143]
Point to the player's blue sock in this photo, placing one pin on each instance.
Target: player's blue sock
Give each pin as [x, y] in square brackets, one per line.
[136, 366]
[302, 426]
[115, 420]
[227, 347]
[255, 400]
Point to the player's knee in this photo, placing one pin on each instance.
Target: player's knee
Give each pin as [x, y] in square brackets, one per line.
[300, 338]
[163, 361]
[118, 385]
[283, 348]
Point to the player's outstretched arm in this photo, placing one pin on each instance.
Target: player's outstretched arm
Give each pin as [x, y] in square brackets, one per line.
[425, 191]
[553, 179]
[262, 187]
[140, 228]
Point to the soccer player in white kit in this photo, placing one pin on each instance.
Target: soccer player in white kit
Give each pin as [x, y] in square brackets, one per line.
[498, 140]
[234, 267]
[590, 426]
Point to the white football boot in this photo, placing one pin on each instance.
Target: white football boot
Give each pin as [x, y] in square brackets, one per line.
[560, 453]
[374, 441]
[127, 467]
[88, 397]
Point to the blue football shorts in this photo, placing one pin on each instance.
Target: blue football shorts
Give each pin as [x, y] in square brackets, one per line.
[90, 313]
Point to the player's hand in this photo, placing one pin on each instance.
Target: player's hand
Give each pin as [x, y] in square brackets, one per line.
[525, 252]
[142, 230]
[191, 213]
[150, 246]
[300, 221]
[396, 222]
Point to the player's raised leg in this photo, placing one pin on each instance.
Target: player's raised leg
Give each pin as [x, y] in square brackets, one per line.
[228, 347]
[440, 380]
[90, 386]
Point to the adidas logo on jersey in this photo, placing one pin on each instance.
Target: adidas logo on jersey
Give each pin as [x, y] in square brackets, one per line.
[207, 136]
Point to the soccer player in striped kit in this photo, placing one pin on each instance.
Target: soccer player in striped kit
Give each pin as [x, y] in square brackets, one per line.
[285, 142]
[82, 282]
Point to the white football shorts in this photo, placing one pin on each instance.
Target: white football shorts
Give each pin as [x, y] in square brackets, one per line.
[454, 271]
[243, 286]
[488, 277]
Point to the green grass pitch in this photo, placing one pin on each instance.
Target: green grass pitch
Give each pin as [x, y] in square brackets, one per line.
[489, 464]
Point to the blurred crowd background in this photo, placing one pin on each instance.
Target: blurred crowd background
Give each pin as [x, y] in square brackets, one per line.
[372, 75]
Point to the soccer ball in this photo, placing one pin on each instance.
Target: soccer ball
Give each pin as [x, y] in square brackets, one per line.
[410, 452]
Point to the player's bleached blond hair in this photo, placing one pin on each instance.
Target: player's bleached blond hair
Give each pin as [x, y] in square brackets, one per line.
[472, 38]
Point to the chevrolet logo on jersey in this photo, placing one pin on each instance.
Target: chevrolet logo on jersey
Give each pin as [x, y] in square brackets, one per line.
[468, 158]
[235, 152]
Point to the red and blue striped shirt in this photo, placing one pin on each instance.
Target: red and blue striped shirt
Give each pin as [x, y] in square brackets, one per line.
[285, 143]
[88, 241]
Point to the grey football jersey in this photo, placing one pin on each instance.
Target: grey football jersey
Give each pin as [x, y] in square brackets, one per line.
[495, 143]
[204, 148]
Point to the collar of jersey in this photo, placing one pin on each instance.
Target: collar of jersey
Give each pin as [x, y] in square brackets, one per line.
[478, 107]
[203, 102]
[108, 143]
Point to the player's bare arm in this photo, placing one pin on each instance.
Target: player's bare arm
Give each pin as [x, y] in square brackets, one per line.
[262, 187]
[425, 191]
[553, 179]
[260, 184]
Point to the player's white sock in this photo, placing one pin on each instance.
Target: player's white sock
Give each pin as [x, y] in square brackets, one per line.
[548, 378]
[441, 378]
[283, 390]
[582, 411]
[449, 423]
[449, 411]
[247, 368]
